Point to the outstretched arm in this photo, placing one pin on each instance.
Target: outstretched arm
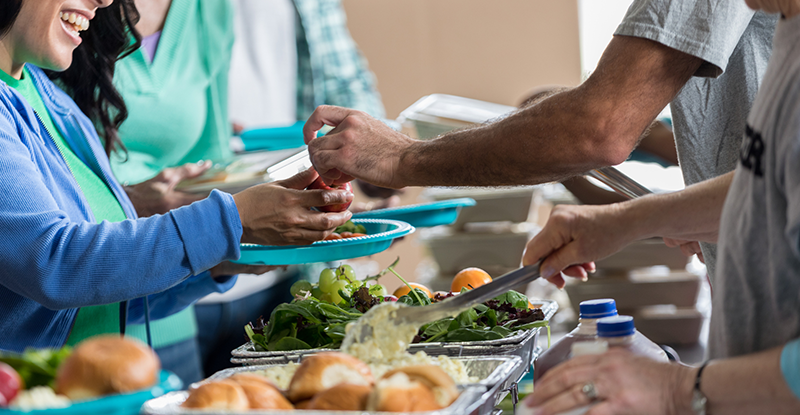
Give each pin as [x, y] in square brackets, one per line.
[596, 124]
[577, 235]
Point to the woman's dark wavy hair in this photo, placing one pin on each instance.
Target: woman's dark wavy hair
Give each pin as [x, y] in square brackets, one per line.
[89, 79]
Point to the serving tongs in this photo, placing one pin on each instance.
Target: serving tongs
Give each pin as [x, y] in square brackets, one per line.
[449, 307]
[620, 182]
[452, 306]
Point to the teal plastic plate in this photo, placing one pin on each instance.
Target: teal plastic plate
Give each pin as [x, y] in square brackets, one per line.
[380, 234]
[123, 404]
[275, 138]
[423, 215]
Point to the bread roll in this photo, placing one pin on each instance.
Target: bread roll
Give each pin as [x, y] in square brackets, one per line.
[434, 377]
[302, 404]
[221, 394]
[342, 397]
[325, 370]
[252, 377]
[107, 364]
[398, 393]
[263, 396]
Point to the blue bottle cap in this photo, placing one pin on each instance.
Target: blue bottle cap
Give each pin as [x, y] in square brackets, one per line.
[616, 326]
[604, 307]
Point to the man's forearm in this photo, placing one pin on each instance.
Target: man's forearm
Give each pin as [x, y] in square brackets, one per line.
[751, 384]
[691, 214]
[594, 125]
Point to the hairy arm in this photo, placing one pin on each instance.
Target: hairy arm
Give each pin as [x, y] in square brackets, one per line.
[596, 124]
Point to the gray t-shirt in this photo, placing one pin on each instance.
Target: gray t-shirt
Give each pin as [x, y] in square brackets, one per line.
[756, 305]
[710, 111]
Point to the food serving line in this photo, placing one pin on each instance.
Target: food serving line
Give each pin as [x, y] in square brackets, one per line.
[496, 365]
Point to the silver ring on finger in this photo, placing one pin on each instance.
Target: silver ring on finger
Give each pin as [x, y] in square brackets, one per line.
[589, 390]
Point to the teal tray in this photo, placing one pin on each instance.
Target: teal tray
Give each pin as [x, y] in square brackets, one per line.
[275, 138]
[381, 233]
[423, 215]
[122, 404]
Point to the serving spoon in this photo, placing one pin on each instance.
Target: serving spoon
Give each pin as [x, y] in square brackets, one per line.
[362, 329]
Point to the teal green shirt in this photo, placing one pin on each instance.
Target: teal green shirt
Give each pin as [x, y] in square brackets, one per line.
[177, 103]
[177, 108]
[104, 205]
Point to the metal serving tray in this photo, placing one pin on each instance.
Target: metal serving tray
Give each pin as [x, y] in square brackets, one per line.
[521, 344]
[479, 398]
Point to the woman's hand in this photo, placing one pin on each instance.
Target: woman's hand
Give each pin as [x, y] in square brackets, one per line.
[226, 269]
[576, 236]
[280, 213]
[158, 195]
[624, 383]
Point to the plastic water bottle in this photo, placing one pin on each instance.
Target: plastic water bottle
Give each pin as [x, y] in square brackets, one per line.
[619, 331]
[584, 348]
[590, 312]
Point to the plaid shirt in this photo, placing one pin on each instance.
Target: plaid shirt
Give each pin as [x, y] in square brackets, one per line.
[330, 67]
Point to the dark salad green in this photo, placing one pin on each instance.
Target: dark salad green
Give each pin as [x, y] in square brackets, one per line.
[310, 323]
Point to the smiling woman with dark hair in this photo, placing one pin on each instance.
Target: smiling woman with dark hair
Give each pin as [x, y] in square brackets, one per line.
[73, 250]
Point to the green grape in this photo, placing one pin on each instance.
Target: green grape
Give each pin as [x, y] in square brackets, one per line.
[346, 272]
[378, 290]
[326, 298]
[300, 288]
[317, 293]
[338, 285]
[326, 279]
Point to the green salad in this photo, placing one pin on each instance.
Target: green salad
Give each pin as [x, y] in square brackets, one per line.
[318, 319]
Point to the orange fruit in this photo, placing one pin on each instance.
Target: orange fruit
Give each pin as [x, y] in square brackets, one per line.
[403, 290]
[470, 278]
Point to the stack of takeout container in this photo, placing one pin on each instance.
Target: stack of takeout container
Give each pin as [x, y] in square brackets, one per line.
[490, 235]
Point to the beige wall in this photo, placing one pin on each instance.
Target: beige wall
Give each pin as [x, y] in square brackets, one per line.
[483, 49]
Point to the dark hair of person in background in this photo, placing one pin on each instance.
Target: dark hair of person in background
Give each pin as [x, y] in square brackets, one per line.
[89, 79]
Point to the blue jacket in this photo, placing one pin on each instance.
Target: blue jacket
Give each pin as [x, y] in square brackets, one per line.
[54, 257]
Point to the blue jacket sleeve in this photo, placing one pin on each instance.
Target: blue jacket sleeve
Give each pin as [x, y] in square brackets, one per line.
[167, 303]
[64, 263]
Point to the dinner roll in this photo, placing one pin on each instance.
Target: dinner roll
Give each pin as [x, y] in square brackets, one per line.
[107, 364]
[342, 397]
[398, 393]
[263, 396]
[325, 370]
[221, 394]
[434, 377]
[252, 377]
[302, 404]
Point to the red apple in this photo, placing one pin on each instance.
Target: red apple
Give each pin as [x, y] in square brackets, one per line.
[10, 383]
[319, 184]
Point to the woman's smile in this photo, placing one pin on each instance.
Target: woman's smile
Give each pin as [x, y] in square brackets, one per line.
[74, 22]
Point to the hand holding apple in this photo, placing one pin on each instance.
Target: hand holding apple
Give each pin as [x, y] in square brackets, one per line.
[319, 184]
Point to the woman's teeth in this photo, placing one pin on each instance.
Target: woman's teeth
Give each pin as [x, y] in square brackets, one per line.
[78, 22]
